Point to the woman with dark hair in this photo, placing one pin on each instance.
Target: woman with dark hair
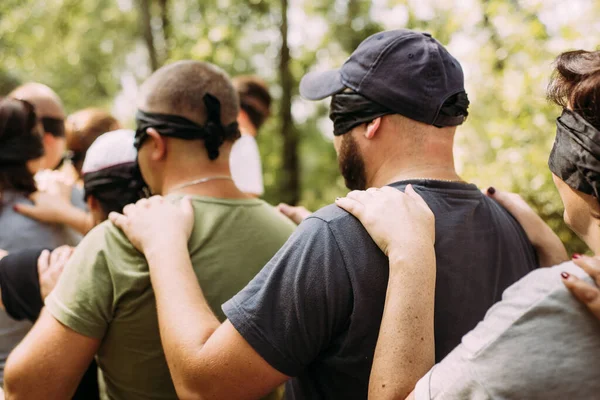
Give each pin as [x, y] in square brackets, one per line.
[539, 341]
[21, 149]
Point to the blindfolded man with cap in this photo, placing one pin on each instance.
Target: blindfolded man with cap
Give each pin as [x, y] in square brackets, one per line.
[313, 312]
[104, 302]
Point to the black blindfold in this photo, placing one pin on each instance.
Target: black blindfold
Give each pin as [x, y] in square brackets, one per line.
[54, 126]
[349, 110]
[574, 157]
[213, 132]
[115, 186]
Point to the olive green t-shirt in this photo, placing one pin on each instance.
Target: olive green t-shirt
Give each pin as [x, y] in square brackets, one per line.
[105, 289]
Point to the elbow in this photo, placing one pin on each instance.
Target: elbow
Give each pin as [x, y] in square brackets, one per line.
[188, 388]
[389, 392]
[13, 384]
[194, 388]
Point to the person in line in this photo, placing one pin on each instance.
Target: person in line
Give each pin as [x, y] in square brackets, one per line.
[83, 128]
[49, 180]
[21, 156]
[50, 110]
[111, 181]
[255, 108]
[539, 341]
[311, 316]
[104, 303]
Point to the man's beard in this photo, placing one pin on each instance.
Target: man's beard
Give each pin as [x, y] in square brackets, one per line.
[352, 165]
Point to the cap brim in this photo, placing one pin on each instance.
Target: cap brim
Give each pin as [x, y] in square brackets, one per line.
[319, 85]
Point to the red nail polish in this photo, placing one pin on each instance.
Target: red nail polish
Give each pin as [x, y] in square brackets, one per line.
[15, 208]
[576, 256]
[565, 275]
[491, 190]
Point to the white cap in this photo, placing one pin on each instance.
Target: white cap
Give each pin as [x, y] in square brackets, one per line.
[110, 149]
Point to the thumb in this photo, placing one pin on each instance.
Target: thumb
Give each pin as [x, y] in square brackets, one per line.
[353, 206]
[117, 219]
[186, 206]
[283, 208]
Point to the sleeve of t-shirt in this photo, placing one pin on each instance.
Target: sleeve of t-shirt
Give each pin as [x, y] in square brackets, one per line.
[83, 298]
[20, 285]
[246, 168]
[297, 304]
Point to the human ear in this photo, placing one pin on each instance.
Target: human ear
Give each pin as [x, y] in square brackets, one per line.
[372, 128]
[158, 145]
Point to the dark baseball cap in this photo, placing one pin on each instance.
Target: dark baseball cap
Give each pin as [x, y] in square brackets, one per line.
[408, 72]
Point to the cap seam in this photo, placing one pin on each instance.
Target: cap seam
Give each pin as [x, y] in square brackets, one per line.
[380, 56]
[432, 74]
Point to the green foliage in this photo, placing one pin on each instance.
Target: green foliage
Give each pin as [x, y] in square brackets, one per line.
[82, 48]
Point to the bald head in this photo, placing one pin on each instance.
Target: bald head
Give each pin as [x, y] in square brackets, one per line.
[179, 89]
[46, 102]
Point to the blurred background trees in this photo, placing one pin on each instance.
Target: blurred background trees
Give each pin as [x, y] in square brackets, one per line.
[96, 52]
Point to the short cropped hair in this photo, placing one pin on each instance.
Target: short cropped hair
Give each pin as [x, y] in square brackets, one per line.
[179, 89]
[575, 84]
[255, 98]
[84, 127]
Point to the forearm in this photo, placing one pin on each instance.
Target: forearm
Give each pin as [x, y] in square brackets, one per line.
[77, 219]
[405, 349]
[551, 251]
[185, 318]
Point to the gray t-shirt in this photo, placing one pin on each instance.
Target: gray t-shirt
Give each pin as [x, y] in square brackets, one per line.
[314, 311]
[18, 232]
[539, 342]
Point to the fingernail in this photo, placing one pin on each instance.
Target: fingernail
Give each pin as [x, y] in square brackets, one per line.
[565, 275]
[491, 190]
[576, 256]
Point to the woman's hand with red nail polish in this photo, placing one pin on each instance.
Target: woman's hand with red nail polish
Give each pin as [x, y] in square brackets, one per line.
[587, 293]
[548, 245]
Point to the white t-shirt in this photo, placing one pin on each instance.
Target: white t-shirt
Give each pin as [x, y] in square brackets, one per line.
[246, 168]
[539, 342]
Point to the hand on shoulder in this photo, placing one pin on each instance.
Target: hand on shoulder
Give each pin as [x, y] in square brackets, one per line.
[156, 223]
[395, 220]
[551, 251]
[586, 293]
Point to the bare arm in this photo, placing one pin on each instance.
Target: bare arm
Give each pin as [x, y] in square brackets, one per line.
[206, 359]
[49, 362]
[53, 208]
[547, 244]
[403, 227]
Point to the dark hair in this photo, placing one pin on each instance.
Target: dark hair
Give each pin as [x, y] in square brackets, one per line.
[255, 99]
[18, 121]
[83, 128]
[575, 84]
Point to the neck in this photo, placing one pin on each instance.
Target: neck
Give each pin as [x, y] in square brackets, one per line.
[218, 188]
[402, 168]
[246, 126]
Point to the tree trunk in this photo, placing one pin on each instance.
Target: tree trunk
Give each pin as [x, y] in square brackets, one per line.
[146, 22]
[290, 177]
[166, 26]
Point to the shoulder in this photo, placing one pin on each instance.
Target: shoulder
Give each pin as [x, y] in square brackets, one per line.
[333, 214]
[533, 306]
[245, 142]
[109, 240]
